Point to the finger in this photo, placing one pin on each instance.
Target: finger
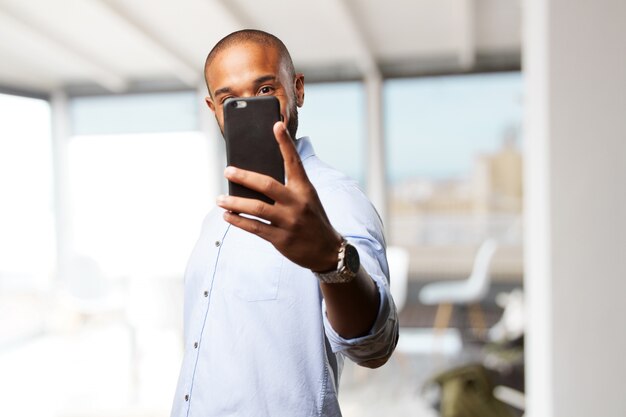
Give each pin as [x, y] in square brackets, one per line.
[293, 164]
[257, 182]
[262, 230]
[249, 206]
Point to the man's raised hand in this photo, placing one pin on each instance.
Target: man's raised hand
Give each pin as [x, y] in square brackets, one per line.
[299, 227]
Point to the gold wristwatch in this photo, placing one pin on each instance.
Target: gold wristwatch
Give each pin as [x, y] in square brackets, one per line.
[348, 265]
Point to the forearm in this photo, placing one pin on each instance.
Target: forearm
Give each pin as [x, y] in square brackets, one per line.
[352, 307]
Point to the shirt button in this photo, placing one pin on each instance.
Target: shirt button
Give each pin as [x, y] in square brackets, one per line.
[217, 243]
[206, 293]
[195, 345]
[186, 397]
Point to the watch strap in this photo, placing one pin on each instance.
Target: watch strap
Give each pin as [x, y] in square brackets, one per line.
[342, 274]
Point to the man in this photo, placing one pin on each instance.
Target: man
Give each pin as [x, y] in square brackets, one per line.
[272, 307]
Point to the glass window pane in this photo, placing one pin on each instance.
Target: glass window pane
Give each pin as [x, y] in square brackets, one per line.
[138, 200]
[455, 170]
[135, 113]
[435, 126]
[333, 116]
[26, 217]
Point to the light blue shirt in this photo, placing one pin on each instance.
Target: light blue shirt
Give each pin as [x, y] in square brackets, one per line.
[257, 340]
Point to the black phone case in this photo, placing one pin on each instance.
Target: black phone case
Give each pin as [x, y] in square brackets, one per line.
[250, 141]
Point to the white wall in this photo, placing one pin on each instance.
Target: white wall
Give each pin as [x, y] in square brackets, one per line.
[575, 69]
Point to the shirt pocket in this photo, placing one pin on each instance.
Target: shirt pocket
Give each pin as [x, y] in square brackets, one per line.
[253, 267]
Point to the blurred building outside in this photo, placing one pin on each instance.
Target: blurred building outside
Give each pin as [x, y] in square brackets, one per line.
[441, 221]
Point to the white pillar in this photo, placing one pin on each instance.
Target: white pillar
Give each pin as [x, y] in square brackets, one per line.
[375, 169]
[575, 175]
[61, 131]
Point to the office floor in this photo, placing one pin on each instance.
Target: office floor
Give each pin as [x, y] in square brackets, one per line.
[89, 374]
[396, 388]
[103, 368]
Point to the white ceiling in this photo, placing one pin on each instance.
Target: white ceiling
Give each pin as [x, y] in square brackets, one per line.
[116, 45]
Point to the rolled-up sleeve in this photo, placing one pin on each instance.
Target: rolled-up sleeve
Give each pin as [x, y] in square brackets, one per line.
[380, 341]
[356, 219]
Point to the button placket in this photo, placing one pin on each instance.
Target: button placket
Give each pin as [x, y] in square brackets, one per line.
[205, 294]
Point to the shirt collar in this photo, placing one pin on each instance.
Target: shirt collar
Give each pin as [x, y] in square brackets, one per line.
[305, 147]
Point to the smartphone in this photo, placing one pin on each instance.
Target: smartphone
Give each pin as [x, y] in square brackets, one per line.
[250, 142]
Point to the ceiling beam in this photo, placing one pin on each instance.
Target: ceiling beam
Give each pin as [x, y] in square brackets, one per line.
[241, 18]
[15, 90]
[99, 71]
[366, 60]
[25, 81]
[24, 70]
[467, 33]
[185, 70]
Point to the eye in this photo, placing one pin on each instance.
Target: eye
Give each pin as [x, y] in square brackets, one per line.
[266, 89]
[223, 99]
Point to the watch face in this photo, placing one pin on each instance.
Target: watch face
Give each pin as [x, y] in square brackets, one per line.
[351, 259]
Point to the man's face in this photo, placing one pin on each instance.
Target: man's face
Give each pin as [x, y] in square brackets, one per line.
[247, 70]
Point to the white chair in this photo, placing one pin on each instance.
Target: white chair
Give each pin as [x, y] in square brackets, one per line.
[398, 260]
[469, 292]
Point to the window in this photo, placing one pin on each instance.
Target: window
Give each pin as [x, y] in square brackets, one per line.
[26, 215]
[139, 180]
[333, 116]
[454, 165]
[138, 200]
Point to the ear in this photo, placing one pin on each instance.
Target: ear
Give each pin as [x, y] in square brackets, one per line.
[299, 87]
[209, 102]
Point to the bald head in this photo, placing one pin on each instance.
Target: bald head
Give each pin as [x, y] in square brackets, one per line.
[251, 36]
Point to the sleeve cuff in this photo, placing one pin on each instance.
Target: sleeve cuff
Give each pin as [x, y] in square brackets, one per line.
[379, 342]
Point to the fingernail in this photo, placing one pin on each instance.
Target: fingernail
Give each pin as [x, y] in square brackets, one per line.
[221, 199]
[229, 171]
[281, 125]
